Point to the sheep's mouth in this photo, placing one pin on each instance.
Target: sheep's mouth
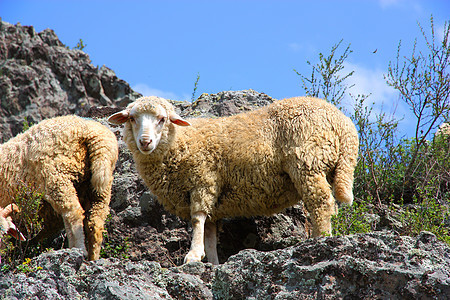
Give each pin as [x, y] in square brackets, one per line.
[146, 150]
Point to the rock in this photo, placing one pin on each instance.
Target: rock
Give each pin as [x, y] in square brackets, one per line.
[42, 78]
[374, 265]
[224, 104]
[64, 274]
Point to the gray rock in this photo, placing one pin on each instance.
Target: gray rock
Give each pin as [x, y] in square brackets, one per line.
[376, 265]
[224, 104]
[42, 78]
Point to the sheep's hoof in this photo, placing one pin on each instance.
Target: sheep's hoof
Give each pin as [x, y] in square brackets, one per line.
[83, 249]
[193, 256]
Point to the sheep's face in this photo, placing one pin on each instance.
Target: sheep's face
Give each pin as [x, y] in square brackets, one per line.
[6, 224]
[147, 120]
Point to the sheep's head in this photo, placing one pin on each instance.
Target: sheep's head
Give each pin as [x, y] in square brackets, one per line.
[6, 224]
[147, 118]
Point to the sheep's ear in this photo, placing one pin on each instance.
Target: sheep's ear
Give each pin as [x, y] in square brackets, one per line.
[176, 119]
[119, 117]
[16, 233]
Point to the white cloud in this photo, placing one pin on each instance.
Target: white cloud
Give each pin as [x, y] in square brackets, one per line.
[295, 47]
[387, 3]
[301, 47]
[146, 90]
[370, 81]
[385, 98]
[410, 4]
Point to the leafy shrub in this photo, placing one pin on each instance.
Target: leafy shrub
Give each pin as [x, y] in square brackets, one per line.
[357, 218]
[114, 247]
[427, 215]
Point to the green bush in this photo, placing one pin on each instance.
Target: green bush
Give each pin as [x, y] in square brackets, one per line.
[357, 218]
[426, 215]
[116, 247]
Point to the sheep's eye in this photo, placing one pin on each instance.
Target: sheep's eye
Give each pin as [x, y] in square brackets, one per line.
[161, 121]
[132, 119]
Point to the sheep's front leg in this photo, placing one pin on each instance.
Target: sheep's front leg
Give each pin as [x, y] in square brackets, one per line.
[211, 243]
[197, 251]
[74, 230]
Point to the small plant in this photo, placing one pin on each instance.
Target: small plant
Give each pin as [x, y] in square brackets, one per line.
[195, 87]
[26, 267]
[427, 215]
[116, 250]
[26, 124]
[80, 45]
[327, 80]
[356, 218]
[113, 248]
[29, 201]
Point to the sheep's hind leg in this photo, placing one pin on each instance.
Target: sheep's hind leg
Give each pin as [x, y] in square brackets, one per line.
[320, 203]
[65, 202]
[211, 242]
[74, 231]
[197, 251]
[316, 194]
[95, 223]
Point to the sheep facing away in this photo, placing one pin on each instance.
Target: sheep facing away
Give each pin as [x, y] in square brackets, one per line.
[70, 160]
[254, 163]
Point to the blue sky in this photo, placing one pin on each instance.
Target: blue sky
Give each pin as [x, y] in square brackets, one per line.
[159, 47]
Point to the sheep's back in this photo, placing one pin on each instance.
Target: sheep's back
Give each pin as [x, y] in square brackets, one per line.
[53, 148]
[313, 131]
[243, 158]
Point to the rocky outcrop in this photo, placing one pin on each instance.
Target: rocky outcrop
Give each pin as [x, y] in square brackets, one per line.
[144, 246]
[225, 104]
[381, 265]
[41, 78]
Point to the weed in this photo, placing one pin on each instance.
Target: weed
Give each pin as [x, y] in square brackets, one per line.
[113, 247]
[350, 219]
[195, 87]
[80, 45]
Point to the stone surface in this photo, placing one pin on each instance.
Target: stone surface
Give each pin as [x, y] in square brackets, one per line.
[41, 78]
[379, 265]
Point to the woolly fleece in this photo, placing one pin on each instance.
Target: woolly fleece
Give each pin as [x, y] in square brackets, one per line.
[71, 161]
[254, 163]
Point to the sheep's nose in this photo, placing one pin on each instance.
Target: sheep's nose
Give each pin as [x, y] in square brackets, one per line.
[145, 143]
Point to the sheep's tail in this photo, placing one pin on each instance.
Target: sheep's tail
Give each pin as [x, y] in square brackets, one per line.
[103, 153]
[343, 178]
